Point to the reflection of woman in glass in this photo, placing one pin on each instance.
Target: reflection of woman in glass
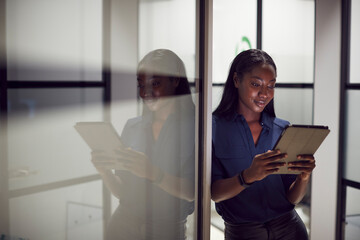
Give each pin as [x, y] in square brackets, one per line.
[154, 174]
[254, 203]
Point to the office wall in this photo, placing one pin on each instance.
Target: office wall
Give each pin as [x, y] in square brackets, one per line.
[326, 112]
[54, 40]
[54, 188]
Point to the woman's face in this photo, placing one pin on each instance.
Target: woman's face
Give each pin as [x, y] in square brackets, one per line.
[255, 89]
[156, 90]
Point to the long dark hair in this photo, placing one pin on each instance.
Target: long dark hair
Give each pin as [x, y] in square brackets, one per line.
[244, 62]
[166, 63]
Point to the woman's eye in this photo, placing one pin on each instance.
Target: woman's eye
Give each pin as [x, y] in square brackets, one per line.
[141, 86]
[255, 84]
[271, 86]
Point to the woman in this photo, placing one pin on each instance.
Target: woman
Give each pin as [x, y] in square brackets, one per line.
[254, 202]
[154, 177]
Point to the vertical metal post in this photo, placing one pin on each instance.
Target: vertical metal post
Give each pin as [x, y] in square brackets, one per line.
[204, 87]
[259, 25]
[106, 78]
[3, 61]
[345, 69]
[4, 186]
[106, 71]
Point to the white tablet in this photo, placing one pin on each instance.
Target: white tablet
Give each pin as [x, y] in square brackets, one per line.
[300, 139]
[99, 136]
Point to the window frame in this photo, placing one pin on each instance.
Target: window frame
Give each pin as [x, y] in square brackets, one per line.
[343, 183]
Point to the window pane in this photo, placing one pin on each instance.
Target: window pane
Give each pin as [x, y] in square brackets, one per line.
[58, 40]
[45, 149]
[217, 92]
[294, 105]
[352, 132]
[148, 210]
[162, 25]
[291, 42]
[229, 41]
[71, 213]
[352, 224]
[355, 38]
[43, 144]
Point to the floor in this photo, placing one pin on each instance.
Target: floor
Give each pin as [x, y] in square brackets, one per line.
[352, 227]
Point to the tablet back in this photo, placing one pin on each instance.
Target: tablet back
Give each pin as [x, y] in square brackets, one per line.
[300, 139]
[99, 136]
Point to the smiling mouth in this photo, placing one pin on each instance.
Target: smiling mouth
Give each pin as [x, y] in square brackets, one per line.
[149, 100]
[260, 103]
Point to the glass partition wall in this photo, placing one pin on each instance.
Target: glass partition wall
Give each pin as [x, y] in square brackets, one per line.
[262, 24]
[78, 61]
[54, 79]
[348, 224]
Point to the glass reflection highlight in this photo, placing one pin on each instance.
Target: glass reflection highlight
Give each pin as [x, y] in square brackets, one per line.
[152, 172]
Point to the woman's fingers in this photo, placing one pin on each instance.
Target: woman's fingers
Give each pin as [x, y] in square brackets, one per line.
[273, 161]
[267, 163]
[268, 154]
[302, 163]
[274, 165]
[128, 151]
[277, 157]
[305, 164]
[270, 171]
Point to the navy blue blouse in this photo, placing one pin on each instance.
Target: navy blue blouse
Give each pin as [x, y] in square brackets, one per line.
[173, 152]
[233, 151]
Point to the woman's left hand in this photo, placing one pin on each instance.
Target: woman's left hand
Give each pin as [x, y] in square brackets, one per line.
[305, 165]
[136, 162]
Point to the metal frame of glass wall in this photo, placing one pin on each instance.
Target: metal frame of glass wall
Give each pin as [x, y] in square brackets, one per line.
[343, 183]
[4, 203]
[204, 85]
[204, 9]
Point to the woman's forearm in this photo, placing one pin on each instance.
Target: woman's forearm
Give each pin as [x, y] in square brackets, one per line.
[224, 189]
[297, 190]
[112, 182]
[179, 187]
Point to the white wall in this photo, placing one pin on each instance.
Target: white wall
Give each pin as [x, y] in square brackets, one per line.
[123, 60]
[288, 36]
[54, 40]
[240, 18]
[326, 112]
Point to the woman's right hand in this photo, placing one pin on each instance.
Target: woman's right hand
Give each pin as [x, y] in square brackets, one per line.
[102, 161]
[104, 164]
[264, 165]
